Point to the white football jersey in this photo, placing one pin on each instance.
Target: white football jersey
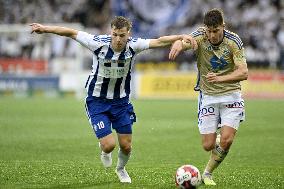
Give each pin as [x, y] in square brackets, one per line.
[111, 73]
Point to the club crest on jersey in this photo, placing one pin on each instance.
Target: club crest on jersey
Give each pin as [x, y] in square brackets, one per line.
[128, 54]
[226, 52]
[209, 48]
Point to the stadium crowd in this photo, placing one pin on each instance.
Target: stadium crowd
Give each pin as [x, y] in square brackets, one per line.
[259, 23]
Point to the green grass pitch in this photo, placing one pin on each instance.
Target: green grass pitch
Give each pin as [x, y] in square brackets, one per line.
[48, 143]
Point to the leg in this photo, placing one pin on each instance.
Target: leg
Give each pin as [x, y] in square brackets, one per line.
[230, 115]
[208, 141]
[125, 149]
[124, 135]
[123, 118]
[123, 157]
[220, 151]
[227, 136]
[124, 141]
[96, 111]
[208, 119]
[107, 143]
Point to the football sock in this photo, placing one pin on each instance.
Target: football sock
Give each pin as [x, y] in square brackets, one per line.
[122, 159]
[103, 153]
[217, 156]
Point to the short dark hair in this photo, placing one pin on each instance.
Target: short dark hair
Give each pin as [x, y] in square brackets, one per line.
[214, 18]
[121, 22]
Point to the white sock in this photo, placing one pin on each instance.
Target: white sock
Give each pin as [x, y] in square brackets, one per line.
[122, 159]
[103, 153]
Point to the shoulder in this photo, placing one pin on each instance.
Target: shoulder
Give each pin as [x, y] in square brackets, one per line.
[199, 35]
[138, 41]
[135, 40]
[200, 32]
[138, 44]
[233, 39]
[102, 38]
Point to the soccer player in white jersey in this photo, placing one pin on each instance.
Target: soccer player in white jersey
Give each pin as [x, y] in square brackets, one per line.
[221, 66]
[108, 86]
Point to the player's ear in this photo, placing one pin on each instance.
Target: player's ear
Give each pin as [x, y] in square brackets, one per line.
[224, 25]
[129, 33]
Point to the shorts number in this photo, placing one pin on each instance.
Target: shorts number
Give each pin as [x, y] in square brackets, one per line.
[99, 125]
[205, 111]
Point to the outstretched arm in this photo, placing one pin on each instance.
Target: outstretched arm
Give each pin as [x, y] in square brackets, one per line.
[168, 40]
[187, 42]
[63, 31]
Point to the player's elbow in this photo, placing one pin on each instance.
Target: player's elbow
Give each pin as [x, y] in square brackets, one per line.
[156, 43]
[245, 73]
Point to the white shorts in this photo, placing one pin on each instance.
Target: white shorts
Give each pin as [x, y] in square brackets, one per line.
[226, 110]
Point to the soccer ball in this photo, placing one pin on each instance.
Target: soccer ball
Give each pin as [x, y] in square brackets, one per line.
[188, 176]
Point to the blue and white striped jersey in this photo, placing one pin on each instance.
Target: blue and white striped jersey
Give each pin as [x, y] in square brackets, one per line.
[111, 73]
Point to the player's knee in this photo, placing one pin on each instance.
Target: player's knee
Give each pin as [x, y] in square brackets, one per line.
[208, 146]
[226, 141]
[126, 148]
[108, 146]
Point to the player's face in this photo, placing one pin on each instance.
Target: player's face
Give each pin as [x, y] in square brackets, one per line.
[215, 34]
[119, 38]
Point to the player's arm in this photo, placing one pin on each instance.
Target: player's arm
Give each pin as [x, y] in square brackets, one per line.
[239, 74]
[168, 40]
[63, 31]
[187, 42]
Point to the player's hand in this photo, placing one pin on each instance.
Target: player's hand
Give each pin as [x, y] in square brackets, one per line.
[176, 48]
[213, 77]
[191, 40]
[38, 28]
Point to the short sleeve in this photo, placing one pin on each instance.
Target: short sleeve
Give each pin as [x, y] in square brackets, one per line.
[239, 55]
[198, 35]
[139, 44]
[236, 46]
[237, 49]
[90, 41]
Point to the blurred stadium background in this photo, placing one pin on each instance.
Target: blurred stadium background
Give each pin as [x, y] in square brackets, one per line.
[47, 142]
[52, 65]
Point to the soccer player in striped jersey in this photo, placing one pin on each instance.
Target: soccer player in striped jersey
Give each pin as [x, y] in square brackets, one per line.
[108, 86]
[221, 66]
